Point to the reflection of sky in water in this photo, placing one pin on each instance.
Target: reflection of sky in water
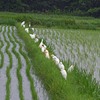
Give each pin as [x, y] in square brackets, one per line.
[81, 47]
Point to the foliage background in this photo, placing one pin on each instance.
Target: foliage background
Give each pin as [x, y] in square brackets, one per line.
[74, 7]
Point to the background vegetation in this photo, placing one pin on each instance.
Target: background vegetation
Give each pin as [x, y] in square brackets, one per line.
[51, 20]
[76, 7]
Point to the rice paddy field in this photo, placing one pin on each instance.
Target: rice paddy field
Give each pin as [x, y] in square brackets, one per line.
[25, 73]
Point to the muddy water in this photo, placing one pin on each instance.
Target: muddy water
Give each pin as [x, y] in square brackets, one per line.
[40, 90]
[3, 78]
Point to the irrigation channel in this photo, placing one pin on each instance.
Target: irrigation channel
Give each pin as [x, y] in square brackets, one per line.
[17, 80]
[80, 47]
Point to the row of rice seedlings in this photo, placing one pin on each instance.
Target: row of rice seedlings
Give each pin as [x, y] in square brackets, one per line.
[18, 69]
[34, 95]
[8, 68]
[2, 56]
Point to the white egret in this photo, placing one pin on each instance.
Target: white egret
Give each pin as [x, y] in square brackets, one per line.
[47, 54]
[33, 36]
[27, 30]
[33, 29]
[22, 23]
[41, 43]
[56, 60]
[43, 48]
[71, 68]
[36, 40]
[61, 65]
[64, 73]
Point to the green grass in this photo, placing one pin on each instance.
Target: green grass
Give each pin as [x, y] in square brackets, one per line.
[86, 83]
[54, 21]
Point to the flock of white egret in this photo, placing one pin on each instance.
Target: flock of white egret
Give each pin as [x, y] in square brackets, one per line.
[44, 49]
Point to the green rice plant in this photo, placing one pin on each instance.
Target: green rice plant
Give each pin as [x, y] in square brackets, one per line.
[18, 69]
[8, 69]
[34, 95]
[2, 56]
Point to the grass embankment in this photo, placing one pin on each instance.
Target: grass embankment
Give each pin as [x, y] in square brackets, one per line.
[78, 86]
[1, 53]
[44, 67]
[54, 21]
[8, 68]
[34, 95]
[18, 68]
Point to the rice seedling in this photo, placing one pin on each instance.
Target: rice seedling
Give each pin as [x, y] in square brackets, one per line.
[8, 69]
[18, 69]
[2, 56]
